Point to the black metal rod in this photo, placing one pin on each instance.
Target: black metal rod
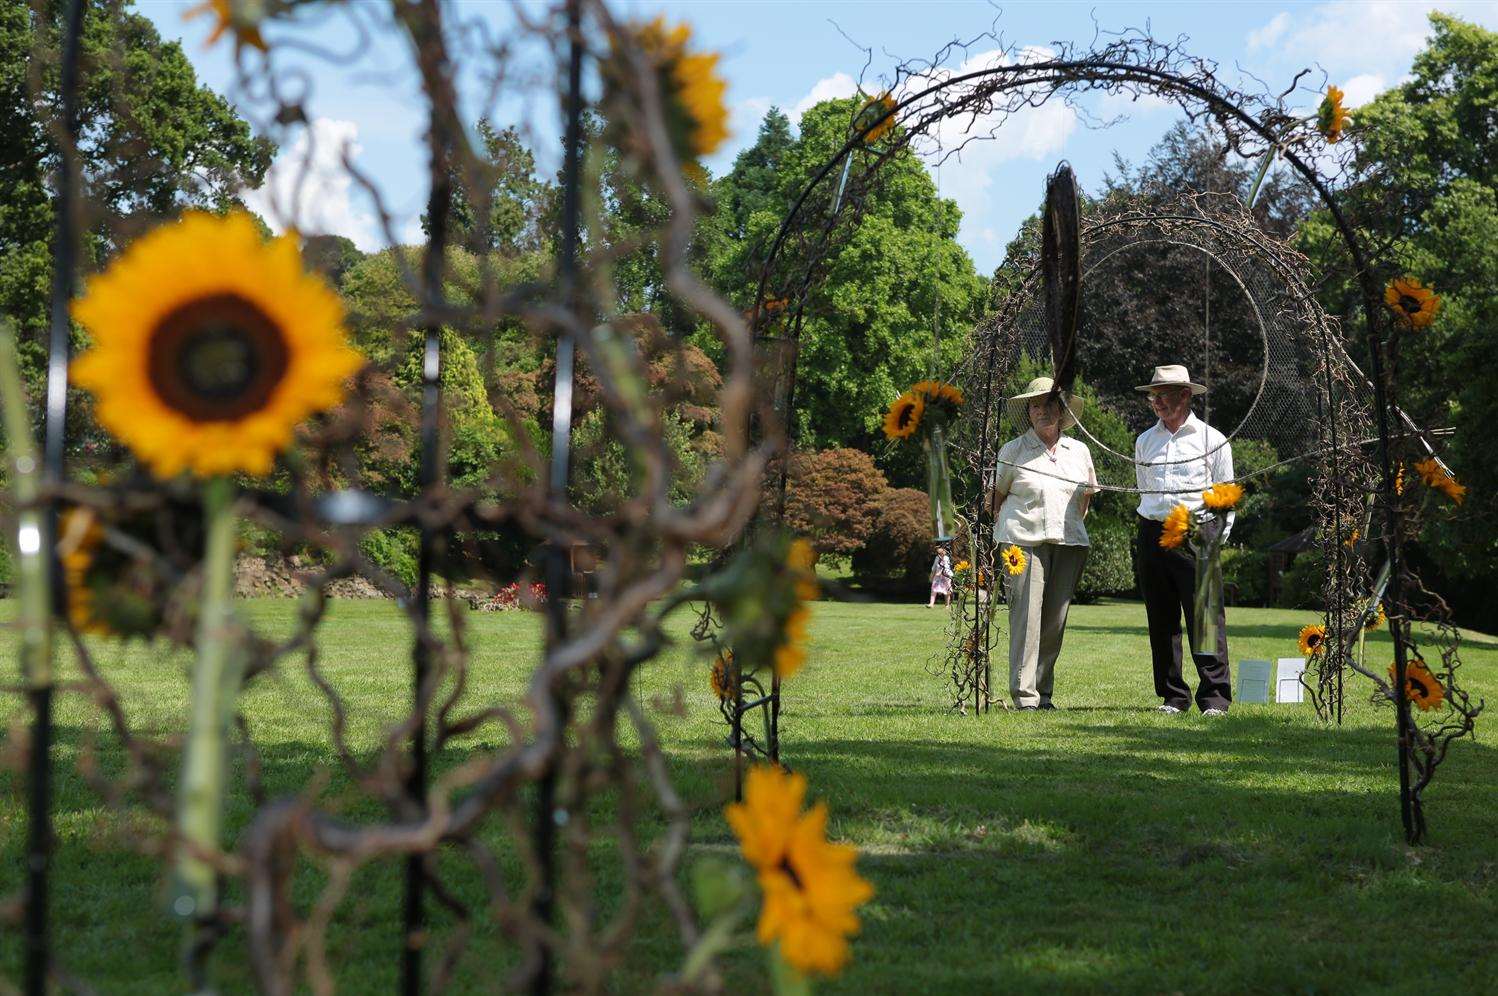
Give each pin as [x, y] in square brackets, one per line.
[558, 561]
[426, 30]
[64, 275]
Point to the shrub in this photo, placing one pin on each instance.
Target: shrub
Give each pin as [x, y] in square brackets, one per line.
[393, 550]
[833, 498]
[1110, 562]
[900, 546]
[1246, 572]
[1302, 587]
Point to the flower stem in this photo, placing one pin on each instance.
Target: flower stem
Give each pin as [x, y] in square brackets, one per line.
[33, 582]
[215, 683]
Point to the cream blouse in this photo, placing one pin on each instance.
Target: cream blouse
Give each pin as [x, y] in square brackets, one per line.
[1043, 491]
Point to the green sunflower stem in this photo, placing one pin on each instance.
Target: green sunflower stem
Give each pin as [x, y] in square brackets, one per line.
[785, 978]
[33, 565]
[216, 676]
[1268, 161]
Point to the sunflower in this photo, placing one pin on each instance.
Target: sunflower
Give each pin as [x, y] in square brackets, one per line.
[1013, 559]
[1421, 686]
[1376, 619]
[232, 15]
[721, 678]
[1331, 117]
[1312, 639]
[790, 648]
[1413, 304]
[961, 565]
[78, 538]
[1436, 478]
[880, 109]
[696, 113]
[811, 889]
[108, 592]
[1177, 525]
[904, 415]
[939, 391]
[1352, 538]
[1222, 497]
[1399, 479]
[210, 346]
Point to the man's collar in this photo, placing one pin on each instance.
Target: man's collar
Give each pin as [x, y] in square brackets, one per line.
[1191, 421]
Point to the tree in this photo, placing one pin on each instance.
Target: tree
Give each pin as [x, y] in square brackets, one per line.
[867, 329]
[502, 182]
[833, 498]
[153, 141]
[900, 546]
[1428, 188]
[1157, 303]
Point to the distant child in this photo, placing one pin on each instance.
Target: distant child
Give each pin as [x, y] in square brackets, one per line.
[941, 577]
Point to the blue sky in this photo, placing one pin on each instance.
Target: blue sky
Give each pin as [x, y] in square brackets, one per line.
[789, 53]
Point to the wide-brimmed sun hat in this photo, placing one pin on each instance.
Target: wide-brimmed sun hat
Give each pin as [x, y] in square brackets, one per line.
[1172, 375]
[1039, 387]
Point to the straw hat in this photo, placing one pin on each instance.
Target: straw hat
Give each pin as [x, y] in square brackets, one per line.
[1039, 387]
[1173, 375]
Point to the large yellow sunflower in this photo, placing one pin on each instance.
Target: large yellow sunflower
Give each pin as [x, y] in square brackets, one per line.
[904, 415]
[692, 84]
[933, 391]
[1177, 525]
[1413, 304]
[1421, 686]
[1331, 117]
[232, 15]
[1435, 477]
[1312, 639]
[1013, 559]
[1376, 619]
[880, 109]
[810, 886]
[1222, 497]
[210, 346]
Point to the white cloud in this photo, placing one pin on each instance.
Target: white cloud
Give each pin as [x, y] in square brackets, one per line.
[1362, 88]
[1269, 33]
[309, 189]
[827, 88]
[967, 176]
[1347, 34]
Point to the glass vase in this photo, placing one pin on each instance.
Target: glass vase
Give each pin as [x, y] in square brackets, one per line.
[1207, 605]
[939, 484]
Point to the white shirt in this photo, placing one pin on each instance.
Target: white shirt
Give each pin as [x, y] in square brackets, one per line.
[1043, 491]
[1174, 468]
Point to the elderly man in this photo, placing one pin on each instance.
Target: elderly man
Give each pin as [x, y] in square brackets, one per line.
[1175, 460]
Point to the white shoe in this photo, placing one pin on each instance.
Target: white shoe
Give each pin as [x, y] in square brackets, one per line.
[1214, 711]
[1169, 710]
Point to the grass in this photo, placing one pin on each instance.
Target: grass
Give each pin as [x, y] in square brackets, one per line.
[1099, 848]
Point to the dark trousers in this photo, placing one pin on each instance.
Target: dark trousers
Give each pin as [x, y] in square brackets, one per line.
[1167, 579]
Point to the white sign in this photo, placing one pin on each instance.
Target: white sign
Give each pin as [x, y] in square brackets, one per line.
[1253, 681]
[1287, 686]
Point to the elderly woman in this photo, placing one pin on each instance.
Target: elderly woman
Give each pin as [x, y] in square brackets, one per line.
[1042, 485]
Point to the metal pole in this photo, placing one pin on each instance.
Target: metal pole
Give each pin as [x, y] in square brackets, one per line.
[427, 32]
[558, 570]
[64, 265]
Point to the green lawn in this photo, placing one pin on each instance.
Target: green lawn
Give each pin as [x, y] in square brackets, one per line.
[1100, 848]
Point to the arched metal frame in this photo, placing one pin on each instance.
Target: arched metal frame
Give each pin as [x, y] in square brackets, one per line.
[1142, 66]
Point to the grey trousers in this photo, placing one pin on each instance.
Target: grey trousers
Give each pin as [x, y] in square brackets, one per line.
[1038, 602]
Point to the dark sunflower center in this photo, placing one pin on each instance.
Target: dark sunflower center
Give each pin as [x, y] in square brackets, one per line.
[907, 413]
[1418, 689]
[785, 866]
[217, 359]
[1410, 304]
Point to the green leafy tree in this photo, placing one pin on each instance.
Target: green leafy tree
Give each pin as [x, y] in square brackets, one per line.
[153, 140]
[501, 182]
[867, 331]
[1428, 162]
